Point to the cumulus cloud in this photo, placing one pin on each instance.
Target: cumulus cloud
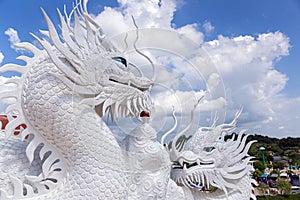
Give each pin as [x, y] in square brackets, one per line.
[183, 103]
[208, 27]
[1, 57]
[190, 31]
[245, 67]
[147, 14]
[280, 118]
[13, 38]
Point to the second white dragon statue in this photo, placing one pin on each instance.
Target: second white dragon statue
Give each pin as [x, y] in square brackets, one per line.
[67, 151]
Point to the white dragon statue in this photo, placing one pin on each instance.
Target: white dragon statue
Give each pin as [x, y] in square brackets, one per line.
[67, 151]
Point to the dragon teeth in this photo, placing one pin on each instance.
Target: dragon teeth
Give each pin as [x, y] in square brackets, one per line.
[197, 177]
[129, 106]
[180, 161]
[184, 167]
[207, 182]
[189, 178]
[185, 183]
[202, 178]
[181, 180]
[134, 101]
[193, 178]
[140, 102]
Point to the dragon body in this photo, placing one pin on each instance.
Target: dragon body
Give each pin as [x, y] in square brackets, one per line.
[67, 151]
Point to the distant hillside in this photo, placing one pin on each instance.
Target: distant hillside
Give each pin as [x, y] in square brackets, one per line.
[284, 143]
[287, 150]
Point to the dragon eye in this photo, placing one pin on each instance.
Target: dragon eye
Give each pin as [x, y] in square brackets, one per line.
[121, 60]
[208, 149]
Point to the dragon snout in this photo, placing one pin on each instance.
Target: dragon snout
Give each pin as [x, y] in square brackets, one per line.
[142, 83]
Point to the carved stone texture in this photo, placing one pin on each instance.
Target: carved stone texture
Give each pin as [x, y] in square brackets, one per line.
[56, 146]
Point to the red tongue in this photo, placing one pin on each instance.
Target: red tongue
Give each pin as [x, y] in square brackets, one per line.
[144, 114]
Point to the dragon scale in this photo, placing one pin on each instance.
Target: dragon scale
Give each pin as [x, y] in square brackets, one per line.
[82, 147]
[67, 151]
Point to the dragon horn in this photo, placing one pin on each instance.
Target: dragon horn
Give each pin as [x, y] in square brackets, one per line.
[141, 53]
[174, 142]
[162, 141]
[232, 124]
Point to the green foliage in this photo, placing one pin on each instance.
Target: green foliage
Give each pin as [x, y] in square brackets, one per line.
[275, 147]
[278, 165]
[274, 172]
[259, 165]
[289, 142]
[263, 139]
[257, 174]
[280, 197]
[295, 157]
[287, 147]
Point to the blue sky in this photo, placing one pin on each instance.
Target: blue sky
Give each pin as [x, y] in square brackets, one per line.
[230, 18]
[217, 25]
[234, 18]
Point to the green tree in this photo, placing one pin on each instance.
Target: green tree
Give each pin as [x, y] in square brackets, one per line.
[274, 172]
[274, 147]
[259, 165]
[283, 186]
[257, 174]
[278, 165]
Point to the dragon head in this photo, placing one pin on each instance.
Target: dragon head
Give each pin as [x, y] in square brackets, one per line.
[207, 160]
[92, 67]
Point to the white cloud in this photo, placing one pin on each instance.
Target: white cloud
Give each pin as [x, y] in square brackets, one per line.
[208, 27]
[13, 37]
[113, 22]
[147, 14]
[1, 57]
[190, 31]
[281, 121]
[183, 103]
[151, 13]
[233, 53]
[246, 65]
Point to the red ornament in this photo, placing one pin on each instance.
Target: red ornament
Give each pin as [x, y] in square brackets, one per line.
[144, 114]
[4, 121]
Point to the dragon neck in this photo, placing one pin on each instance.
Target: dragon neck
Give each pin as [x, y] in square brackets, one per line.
[75, 131]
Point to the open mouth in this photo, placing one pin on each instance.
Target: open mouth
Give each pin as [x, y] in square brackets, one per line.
[141, 88]
[188, 165]
[198, 180]
[194, 175]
